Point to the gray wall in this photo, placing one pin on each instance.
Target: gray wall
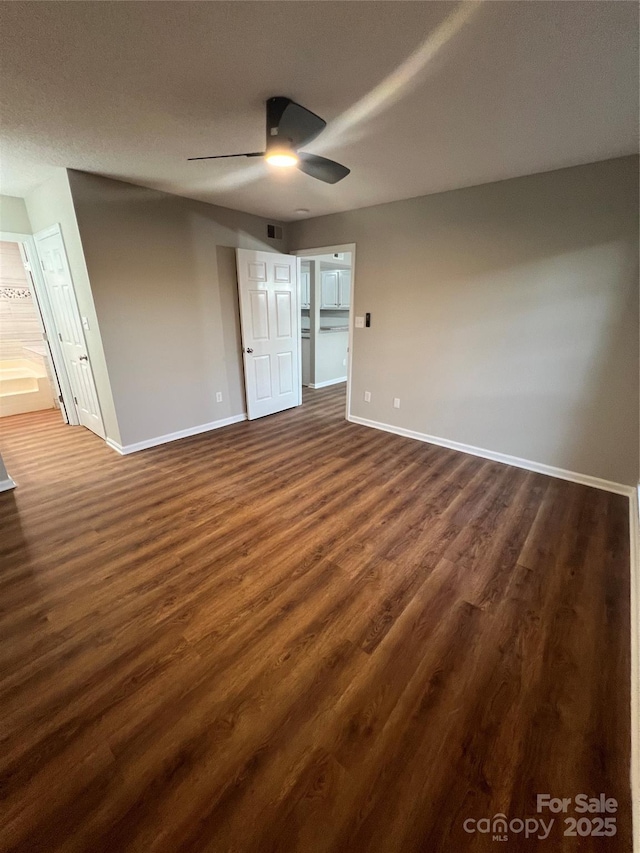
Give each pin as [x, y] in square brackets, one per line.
[163, 277]
[504, 316]
[13, 215]
[51, 204]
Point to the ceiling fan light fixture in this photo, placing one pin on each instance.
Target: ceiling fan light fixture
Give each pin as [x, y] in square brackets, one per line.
[289, 128]
[281, 157]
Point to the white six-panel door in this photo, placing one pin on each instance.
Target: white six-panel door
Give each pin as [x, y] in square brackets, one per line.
[269, 316]
[57, 277]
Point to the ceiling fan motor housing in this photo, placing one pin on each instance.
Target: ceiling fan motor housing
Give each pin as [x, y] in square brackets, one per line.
[275, 109]
[291, 125]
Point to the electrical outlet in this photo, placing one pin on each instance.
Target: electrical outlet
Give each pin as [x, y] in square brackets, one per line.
[367, 396]
[396, 402]
[218, 396]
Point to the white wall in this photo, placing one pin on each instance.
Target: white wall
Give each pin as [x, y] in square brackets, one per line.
[51, 204]
[13, 215]
[504, 316]
[331, 352]
[163, 277]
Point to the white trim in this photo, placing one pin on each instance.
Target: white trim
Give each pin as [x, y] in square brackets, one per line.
[329, 250]
[174, 436]
[7, 484]
[634, 542]
[527, 464]
[328, 382]
[299, 296]
[49, 231]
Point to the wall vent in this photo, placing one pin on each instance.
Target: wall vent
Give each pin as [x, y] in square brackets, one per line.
[274, 232]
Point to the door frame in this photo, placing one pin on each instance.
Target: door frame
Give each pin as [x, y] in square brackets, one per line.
[329, 250]
[38, 289]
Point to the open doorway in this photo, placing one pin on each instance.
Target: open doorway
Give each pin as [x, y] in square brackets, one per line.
[326, 298]
[28, 380]
[44, 366]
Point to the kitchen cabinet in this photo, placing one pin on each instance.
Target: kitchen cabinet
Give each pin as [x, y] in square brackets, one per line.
[306, 361]
[344, 289]
[330, 289]
[335, 289]
[305, 289]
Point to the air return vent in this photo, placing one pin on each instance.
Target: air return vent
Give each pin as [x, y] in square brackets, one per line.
[274, 232]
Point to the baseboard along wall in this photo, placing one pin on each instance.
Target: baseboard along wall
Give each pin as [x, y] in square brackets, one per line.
[126, 449]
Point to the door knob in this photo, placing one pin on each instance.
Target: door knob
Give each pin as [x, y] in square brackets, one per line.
[84, 358]
[248, 349]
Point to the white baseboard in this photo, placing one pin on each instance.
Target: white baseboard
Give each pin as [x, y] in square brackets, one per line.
[124, 450]
[7, 484]
[328, 382]
[527, 464]
[634, 534]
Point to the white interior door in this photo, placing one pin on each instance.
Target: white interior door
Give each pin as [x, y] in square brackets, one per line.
[59, 284]
[269, 319]
[58, 378]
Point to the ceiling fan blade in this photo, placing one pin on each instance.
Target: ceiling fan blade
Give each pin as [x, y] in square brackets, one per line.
[288, 120]
[319, 167]
[224, 156]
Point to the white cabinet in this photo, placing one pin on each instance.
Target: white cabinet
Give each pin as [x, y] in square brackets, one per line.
[344, 289]
[305, 289]
[306, 361]
[330, 289]
[336, 289]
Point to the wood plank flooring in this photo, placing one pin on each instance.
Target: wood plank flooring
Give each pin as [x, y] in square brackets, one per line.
[300, 634]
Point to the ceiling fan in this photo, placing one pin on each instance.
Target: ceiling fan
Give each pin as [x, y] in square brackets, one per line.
[289, 128]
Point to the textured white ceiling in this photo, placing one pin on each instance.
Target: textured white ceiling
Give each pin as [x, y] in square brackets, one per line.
[441, 97]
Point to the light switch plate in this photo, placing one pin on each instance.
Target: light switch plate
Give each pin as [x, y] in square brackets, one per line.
[85, 324]
[359, 322]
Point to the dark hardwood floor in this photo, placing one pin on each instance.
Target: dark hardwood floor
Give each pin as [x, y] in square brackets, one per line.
[300, 634]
